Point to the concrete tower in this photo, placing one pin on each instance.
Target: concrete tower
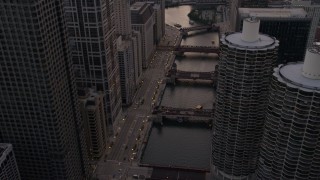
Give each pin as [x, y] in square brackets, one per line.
[245, 66]
[290, 147]
[91, 26]
[39, 113]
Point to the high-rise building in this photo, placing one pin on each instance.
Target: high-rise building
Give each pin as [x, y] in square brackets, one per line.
[290, 147]
[245, 67]
[91, 26]
[123, 17]
[290, 26]
[39, 109]
[137, 53]
[93, 115]
[127, 74]
[143, 19]
[8, 165]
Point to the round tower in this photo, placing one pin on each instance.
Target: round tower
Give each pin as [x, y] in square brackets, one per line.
[290, 147]
[245, 66]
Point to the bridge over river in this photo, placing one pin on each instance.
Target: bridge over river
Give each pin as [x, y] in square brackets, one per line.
[188, 48]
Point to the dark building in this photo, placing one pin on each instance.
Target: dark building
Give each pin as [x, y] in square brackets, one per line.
[39, 113]
[254, 3]
[290, 26]
[91, 27]
[290, 147]
[8, 165]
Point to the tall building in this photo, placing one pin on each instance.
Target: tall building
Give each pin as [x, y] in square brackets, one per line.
[123, 17]
[8, 165]
[92, 113]
[290, 26]
[290, 147]
[143, 19]
[39, 109]
[91, 26]
[245, 66]
[127, 74]
[137, 53]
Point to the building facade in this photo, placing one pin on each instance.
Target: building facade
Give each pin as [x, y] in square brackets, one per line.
[143, 19]
[127, 74]
[39, 108]
[290, 26]
[91, 27]
[290, 147]
[245, 65]
[123, 18]
[8, 165]
[92, 113]
[137, 54]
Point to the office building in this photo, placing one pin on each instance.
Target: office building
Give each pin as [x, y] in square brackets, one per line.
[245, 67]
[290, 147]
[39, 108]
[290, 26]
[91, 27]
[123, 18]
[8, 165]
[137, 53]
[93, 115]
[142, 20]
[127, 74]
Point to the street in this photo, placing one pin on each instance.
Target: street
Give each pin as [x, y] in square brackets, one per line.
[122, 154]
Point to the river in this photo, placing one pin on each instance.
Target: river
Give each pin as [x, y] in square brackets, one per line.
[180, 144]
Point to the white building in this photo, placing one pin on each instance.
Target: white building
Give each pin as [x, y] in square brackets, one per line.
[290, 147]
[137, 54]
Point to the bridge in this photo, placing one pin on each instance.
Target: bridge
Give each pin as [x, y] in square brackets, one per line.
[185, 48]
[163, 110]
[177, 74]
[184, 31]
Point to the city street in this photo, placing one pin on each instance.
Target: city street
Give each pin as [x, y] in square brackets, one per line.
[122, 155]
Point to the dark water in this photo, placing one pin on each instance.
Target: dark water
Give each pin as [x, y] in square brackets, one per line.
[175, 144]
[188, 96]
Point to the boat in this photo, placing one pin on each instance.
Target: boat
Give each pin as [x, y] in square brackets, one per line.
[191, 22]
[177, 25]
[199, 107]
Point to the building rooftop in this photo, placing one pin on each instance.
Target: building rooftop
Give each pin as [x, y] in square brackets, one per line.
[292, 74]
[273, 12]
[263, 42]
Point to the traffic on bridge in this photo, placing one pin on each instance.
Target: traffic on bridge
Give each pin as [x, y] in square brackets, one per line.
[198, 111]
[185, 48]
[191, 75]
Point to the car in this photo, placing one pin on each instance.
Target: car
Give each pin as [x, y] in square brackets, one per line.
[135, 176]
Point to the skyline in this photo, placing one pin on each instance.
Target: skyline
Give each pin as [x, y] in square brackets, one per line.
[84, 84]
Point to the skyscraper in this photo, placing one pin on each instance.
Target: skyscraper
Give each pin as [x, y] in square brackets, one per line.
[142, 19]
[290, 148]
[290, 26]
[123, 17]
[39, 113]
[91, 26]
[245, 66]
[8, 164]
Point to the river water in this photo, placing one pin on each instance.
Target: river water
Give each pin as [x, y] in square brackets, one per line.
[180, 144]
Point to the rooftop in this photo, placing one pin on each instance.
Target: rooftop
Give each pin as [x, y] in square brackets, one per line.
[273, 12]
[263, 42]
[292, 74]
